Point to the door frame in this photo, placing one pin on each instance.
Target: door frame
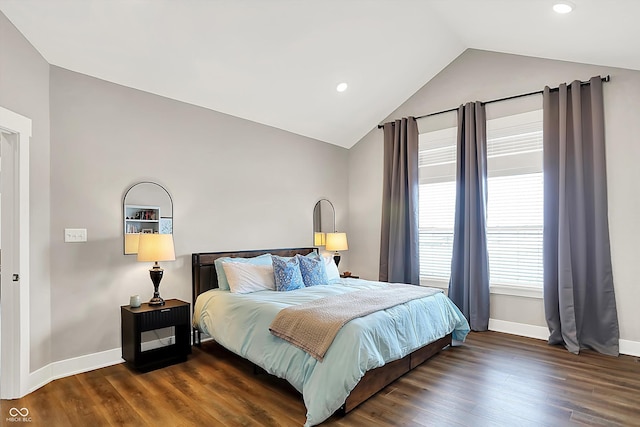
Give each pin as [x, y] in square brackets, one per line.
[15, 334]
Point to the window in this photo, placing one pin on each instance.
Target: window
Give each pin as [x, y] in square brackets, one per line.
[437, 202]
[514, 205]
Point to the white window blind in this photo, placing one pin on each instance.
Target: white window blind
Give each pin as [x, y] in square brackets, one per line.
[437, 202]
[437, 206]
[515, 201]
[514, 206]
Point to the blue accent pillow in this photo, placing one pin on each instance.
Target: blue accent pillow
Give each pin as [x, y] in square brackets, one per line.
[313, 269]
[287, 273]
[223, 282]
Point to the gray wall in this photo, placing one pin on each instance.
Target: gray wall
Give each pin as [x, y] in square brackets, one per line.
[24, 89]
[235, 184]
[481, 75]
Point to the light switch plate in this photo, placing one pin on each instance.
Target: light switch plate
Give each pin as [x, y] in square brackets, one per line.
[75, 235]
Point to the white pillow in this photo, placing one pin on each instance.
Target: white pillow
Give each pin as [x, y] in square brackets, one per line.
[332, 268]
[245, 278]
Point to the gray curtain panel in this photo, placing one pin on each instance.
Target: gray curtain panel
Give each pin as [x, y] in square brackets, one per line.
[579, 298]
[399, 256]
[469, 282]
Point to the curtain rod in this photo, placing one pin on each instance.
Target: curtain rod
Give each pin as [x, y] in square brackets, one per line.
[522, 95]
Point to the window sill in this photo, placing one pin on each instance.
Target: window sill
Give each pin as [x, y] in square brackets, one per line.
[517, 291]
[511, 290]
[434, 283]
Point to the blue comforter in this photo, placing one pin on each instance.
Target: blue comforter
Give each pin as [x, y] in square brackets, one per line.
[240, 322]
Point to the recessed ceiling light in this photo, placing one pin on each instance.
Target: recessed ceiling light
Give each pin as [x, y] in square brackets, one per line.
[563, 6]
[341, 87]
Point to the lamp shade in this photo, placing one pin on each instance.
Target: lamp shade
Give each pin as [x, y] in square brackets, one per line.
[131, 243]
[156, 247]
[336, 242]
[319, 239]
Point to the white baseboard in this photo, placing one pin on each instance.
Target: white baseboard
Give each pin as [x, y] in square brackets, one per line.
[75, 365]
[631, 348]
[522, 329]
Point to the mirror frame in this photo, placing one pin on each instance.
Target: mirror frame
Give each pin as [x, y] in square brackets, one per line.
[124, 198]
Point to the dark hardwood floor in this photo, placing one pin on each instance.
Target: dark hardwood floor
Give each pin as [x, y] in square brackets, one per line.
[493, 379]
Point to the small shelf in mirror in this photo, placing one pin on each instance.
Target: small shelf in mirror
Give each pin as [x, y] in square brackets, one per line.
[141, 219]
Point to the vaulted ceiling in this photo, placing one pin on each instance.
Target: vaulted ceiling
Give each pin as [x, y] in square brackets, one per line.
[278, 62]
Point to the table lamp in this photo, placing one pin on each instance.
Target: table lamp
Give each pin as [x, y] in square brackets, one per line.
[154, 248]
[336, 242]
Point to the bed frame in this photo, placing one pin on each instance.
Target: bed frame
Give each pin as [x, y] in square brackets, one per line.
[204, 278]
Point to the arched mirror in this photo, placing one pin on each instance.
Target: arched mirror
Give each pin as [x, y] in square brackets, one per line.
[147, 208]
[324, 221]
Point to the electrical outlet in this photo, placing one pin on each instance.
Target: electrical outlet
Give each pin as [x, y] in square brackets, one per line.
[74, 235]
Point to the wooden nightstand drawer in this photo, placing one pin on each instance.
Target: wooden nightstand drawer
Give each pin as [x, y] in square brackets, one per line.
[164, 317]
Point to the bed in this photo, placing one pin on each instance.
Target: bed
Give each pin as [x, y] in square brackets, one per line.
[368, 353]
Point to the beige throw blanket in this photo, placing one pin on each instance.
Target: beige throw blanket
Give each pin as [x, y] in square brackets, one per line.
[313, 326]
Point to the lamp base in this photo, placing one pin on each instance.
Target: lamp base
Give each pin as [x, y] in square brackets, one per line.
[156, 301]
[336, 258]
[156, 276]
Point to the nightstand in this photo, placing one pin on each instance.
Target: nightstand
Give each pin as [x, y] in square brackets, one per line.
[349, 276]
[135, 321]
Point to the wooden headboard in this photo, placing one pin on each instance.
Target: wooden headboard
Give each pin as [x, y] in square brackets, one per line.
[203, 270]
